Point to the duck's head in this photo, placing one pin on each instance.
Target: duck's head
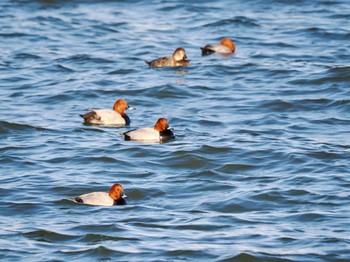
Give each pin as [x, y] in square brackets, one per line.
[228, 43]
[161, 125]
[179, 54]
[120, 106]
[117, 192]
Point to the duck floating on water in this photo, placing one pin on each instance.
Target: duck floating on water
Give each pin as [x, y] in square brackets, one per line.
[225, 47]
[159, 133]
[115, 196]
[179, 58]
[115, 116]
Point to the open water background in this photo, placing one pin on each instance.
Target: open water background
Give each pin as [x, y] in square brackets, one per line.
[259, 170]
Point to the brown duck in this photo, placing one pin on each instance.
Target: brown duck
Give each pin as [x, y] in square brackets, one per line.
[178, 58]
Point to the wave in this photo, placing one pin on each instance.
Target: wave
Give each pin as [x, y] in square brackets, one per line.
[238, 20]
[9, 127]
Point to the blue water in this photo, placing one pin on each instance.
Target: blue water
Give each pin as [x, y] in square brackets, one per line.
[259, 169]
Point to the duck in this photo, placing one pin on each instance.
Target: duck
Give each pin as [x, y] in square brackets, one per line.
[159, 133]
[115, 116]
[225, 47]
[114, 197]
[179, 58]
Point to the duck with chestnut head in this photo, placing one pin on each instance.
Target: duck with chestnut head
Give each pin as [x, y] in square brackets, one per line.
[115, 116]
[225, 47]
[115, 196]
[160, 132]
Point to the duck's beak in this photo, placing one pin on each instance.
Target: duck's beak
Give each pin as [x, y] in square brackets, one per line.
[130, 108]
[124, 196]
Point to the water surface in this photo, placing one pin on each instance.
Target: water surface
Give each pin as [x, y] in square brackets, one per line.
[259, 169]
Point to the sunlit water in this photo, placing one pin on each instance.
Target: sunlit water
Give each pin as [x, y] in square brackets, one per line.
[259, 169]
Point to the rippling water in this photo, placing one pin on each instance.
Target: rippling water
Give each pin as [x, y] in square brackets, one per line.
[259, 170]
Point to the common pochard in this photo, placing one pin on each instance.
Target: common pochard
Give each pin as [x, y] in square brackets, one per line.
[114, 197]
[178, 58]
[160, 132]
[225, 47]
[115, 116]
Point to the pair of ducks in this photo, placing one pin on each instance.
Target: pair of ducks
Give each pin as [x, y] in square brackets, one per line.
[179, 57]
[117, 117]
[159, 132]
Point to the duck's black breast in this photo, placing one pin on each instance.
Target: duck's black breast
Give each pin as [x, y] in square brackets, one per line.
[166, 134]
[119, 202]
[127, 119]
